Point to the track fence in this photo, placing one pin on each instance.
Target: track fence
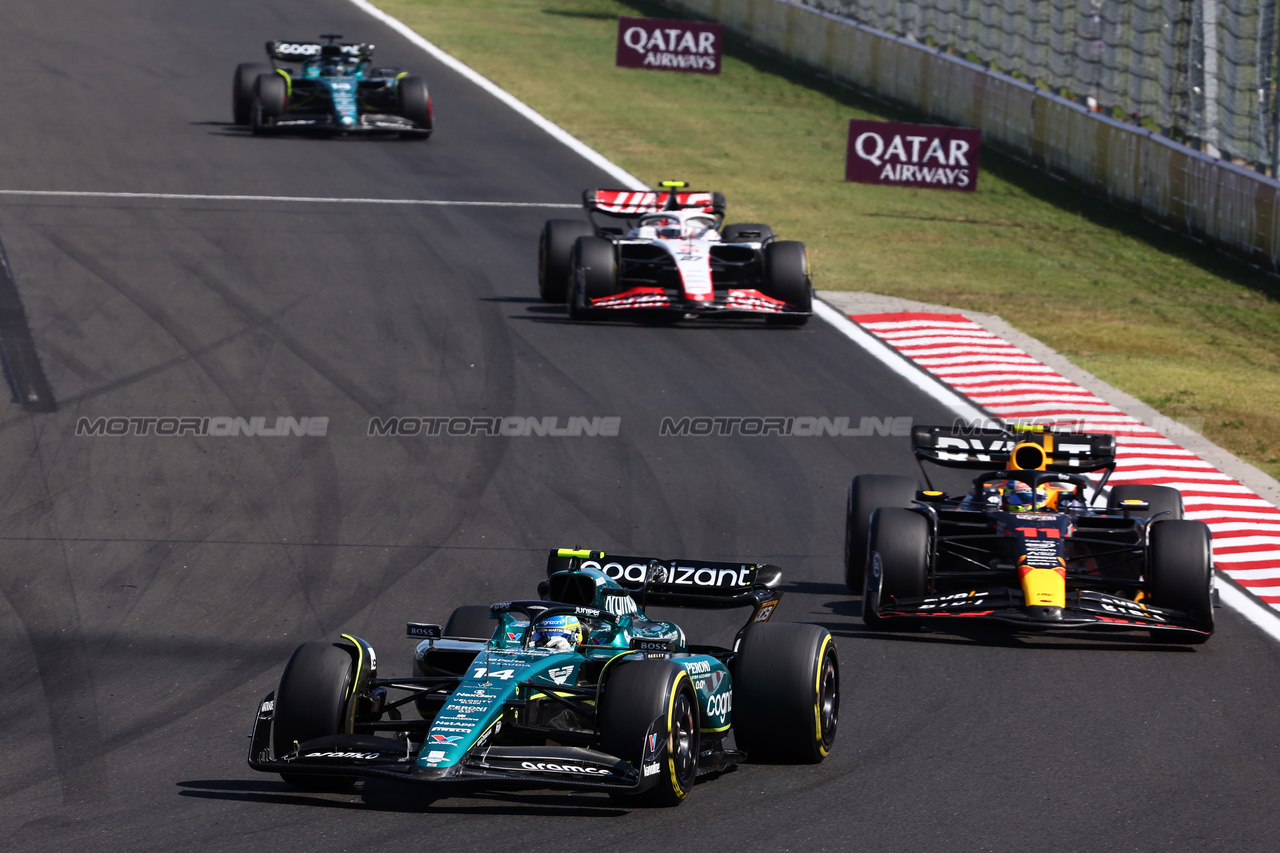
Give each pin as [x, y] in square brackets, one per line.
[1202, 72]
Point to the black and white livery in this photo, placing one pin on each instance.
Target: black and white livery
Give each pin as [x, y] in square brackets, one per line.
[670, 254]
[329, 87]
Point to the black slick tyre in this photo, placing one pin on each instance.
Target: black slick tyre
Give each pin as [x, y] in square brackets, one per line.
[270, 101]
[593, 273]
[636, 695]
[786, 693]
[470, 622]
[1179, 575]
[242, 90]
[867, 493]
[746, 232]
[414, 102]
[1160, 498]
[555, 255]
[898, 542]
[312, 702]
[786, 277]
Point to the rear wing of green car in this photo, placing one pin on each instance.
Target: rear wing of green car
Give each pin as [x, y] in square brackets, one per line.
[701, 584]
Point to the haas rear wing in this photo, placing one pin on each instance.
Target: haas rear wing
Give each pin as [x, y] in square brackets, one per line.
[992, 449]
[627, 204]
[296, 51]
[705, 584]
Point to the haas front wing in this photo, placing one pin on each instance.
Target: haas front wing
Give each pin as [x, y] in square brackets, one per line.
[692, 277]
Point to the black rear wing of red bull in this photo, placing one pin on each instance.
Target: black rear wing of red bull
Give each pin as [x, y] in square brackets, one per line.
[986, 449]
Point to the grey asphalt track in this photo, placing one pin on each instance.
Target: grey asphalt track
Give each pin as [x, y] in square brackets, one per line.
[152, 587]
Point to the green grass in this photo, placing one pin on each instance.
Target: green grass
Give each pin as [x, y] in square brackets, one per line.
[1178, 325]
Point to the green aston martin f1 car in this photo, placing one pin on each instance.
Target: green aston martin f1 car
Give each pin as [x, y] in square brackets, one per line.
[578, 689]
[330, 88]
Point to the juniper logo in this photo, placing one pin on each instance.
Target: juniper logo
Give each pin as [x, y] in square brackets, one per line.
[512, 427]
[780, 425]
[218, 427]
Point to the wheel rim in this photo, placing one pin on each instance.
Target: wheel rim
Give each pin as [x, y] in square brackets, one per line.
[684, 752]
[828, 701]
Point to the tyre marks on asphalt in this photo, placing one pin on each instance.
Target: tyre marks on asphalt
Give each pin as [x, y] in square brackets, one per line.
[1016, 386]
[22, 368]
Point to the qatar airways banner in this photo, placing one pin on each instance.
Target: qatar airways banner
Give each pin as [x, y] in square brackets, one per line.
[913, 155]
[669, 45]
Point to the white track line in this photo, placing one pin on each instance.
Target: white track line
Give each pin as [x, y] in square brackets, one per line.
[1258, 614]
[958, 404]
[891, 359]
[289, 198]
[1195, 478]
[577, 145]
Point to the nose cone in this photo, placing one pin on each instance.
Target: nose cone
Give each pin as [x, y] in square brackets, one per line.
[1044, 614]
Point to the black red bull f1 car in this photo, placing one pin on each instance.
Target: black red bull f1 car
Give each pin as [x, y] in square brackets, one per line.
[580, 688]
[670, 254]
[1025, 544]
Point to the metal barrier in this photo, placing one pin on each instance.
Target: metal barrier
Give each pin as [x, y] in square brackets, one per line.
[1200, 71]
[1229, 206]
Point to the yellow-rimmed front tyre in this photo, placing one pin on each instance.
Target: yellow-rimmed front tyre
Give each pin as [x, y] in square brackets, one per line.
[314, 701]
[649, 717]
[786, 693]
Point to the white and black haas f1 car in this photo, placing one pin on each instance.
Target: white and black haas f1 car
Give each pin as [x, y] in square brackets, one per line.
[670, 254]
[329, 87]
[579, 689]
[1024, 545]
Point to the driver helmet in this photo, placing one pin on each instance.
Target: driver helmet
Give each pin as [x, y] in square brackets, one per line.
[668, 227]
[1020, 497]
[1059, 495]
[561, 632]
[331, 63]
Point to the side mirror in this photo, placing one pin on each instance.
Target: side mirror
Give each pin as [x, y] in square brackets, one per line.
[769, 576]
[1133, 505]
